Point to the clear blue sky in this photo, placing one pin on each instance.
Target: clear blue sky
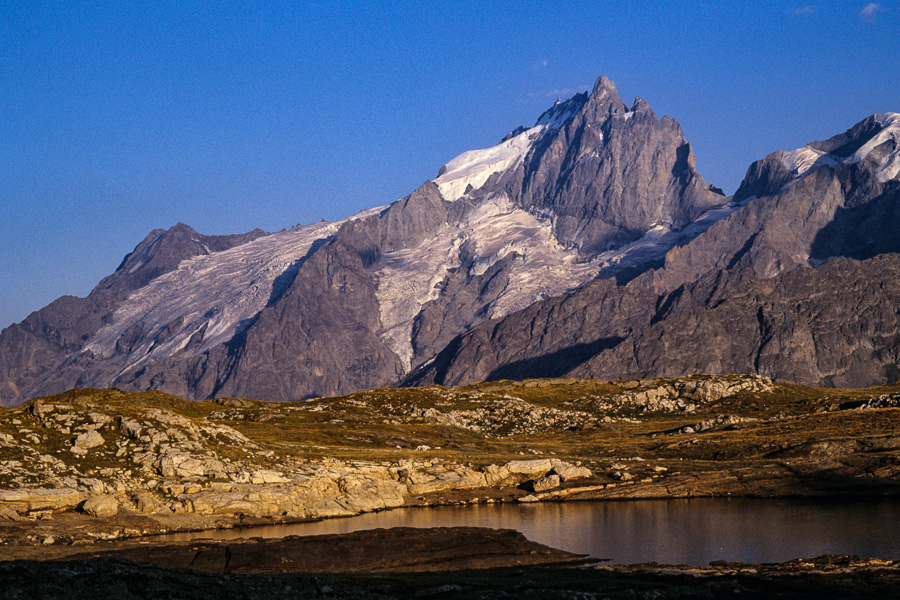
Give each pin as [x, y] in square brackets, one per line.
[118, 117]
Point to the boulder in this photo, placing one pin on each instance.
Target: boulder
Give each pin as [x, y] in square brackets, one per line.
[499, 476]
[89, 439]
[176, 463]
[459, 479]
[102, 506]
[365, 494]
[130, 427]
[568, 472]
[531, 468]
[543, 484]
[8, 514]
[148, 503]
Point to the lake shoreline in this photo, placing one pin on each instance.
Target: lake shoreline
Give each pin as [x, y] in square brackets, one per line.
[48, 529]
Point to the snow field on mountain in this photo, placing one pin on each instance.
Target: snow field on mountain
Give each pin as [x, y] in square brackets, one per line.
[805, 160]
[890, 166]
[222, 292]
[476, 166]
[412, 277]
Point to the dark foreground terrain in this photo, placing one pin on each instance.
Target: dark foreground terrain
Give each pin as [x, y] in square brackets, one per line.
[420, 563]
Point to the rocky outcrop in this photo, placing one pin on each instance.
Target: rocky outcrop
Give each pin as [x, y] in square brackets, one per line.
[32, 499]
[160, 461]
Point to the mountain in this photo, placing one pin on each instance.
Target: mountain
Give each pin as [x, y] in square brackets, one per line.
[798, 282]
[569, 245]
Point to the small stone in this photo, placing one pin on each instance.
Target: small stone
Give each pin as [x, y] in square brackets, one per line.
[658, 469]
[49, 540]
[529, 498]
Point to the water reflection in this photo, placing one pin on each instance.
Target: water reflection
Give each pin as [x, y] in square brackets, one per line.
[692, 532]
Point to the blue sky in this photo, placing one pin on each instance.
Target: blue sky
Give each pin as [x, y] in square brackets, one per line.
[120, 117]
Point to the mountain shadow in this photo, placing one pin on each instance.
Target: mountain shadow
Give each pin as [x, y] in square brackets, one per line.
[554, 364]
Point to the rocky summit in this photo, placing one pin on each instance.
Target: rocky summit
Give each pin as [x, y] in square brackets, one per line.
[585, 245]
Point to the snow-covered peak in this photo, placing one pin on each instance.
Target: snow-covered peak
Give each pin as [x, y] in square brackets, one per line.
[805, 160]
[889, 168]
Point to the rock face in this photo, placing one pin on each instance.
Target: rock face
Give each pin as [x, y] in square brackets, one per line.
[608, 147]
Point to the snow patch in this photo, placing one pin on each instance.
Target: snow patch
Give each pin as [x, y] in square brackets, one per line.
[806, 159]
[476, 166]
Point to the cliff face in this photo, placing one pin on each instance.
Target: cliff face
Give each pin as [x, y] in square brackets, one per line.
[612, 173]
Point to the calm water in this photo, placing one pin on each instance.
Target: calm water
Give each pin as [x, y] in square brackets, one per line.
[692, 532]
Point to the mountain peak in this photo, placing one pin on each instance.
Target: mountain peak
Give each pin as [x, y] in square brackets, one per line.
[604, 85]
[604, 101]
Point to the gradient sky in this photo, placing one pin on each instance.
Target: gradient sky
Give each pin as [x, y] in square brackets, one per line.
[120, 117]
